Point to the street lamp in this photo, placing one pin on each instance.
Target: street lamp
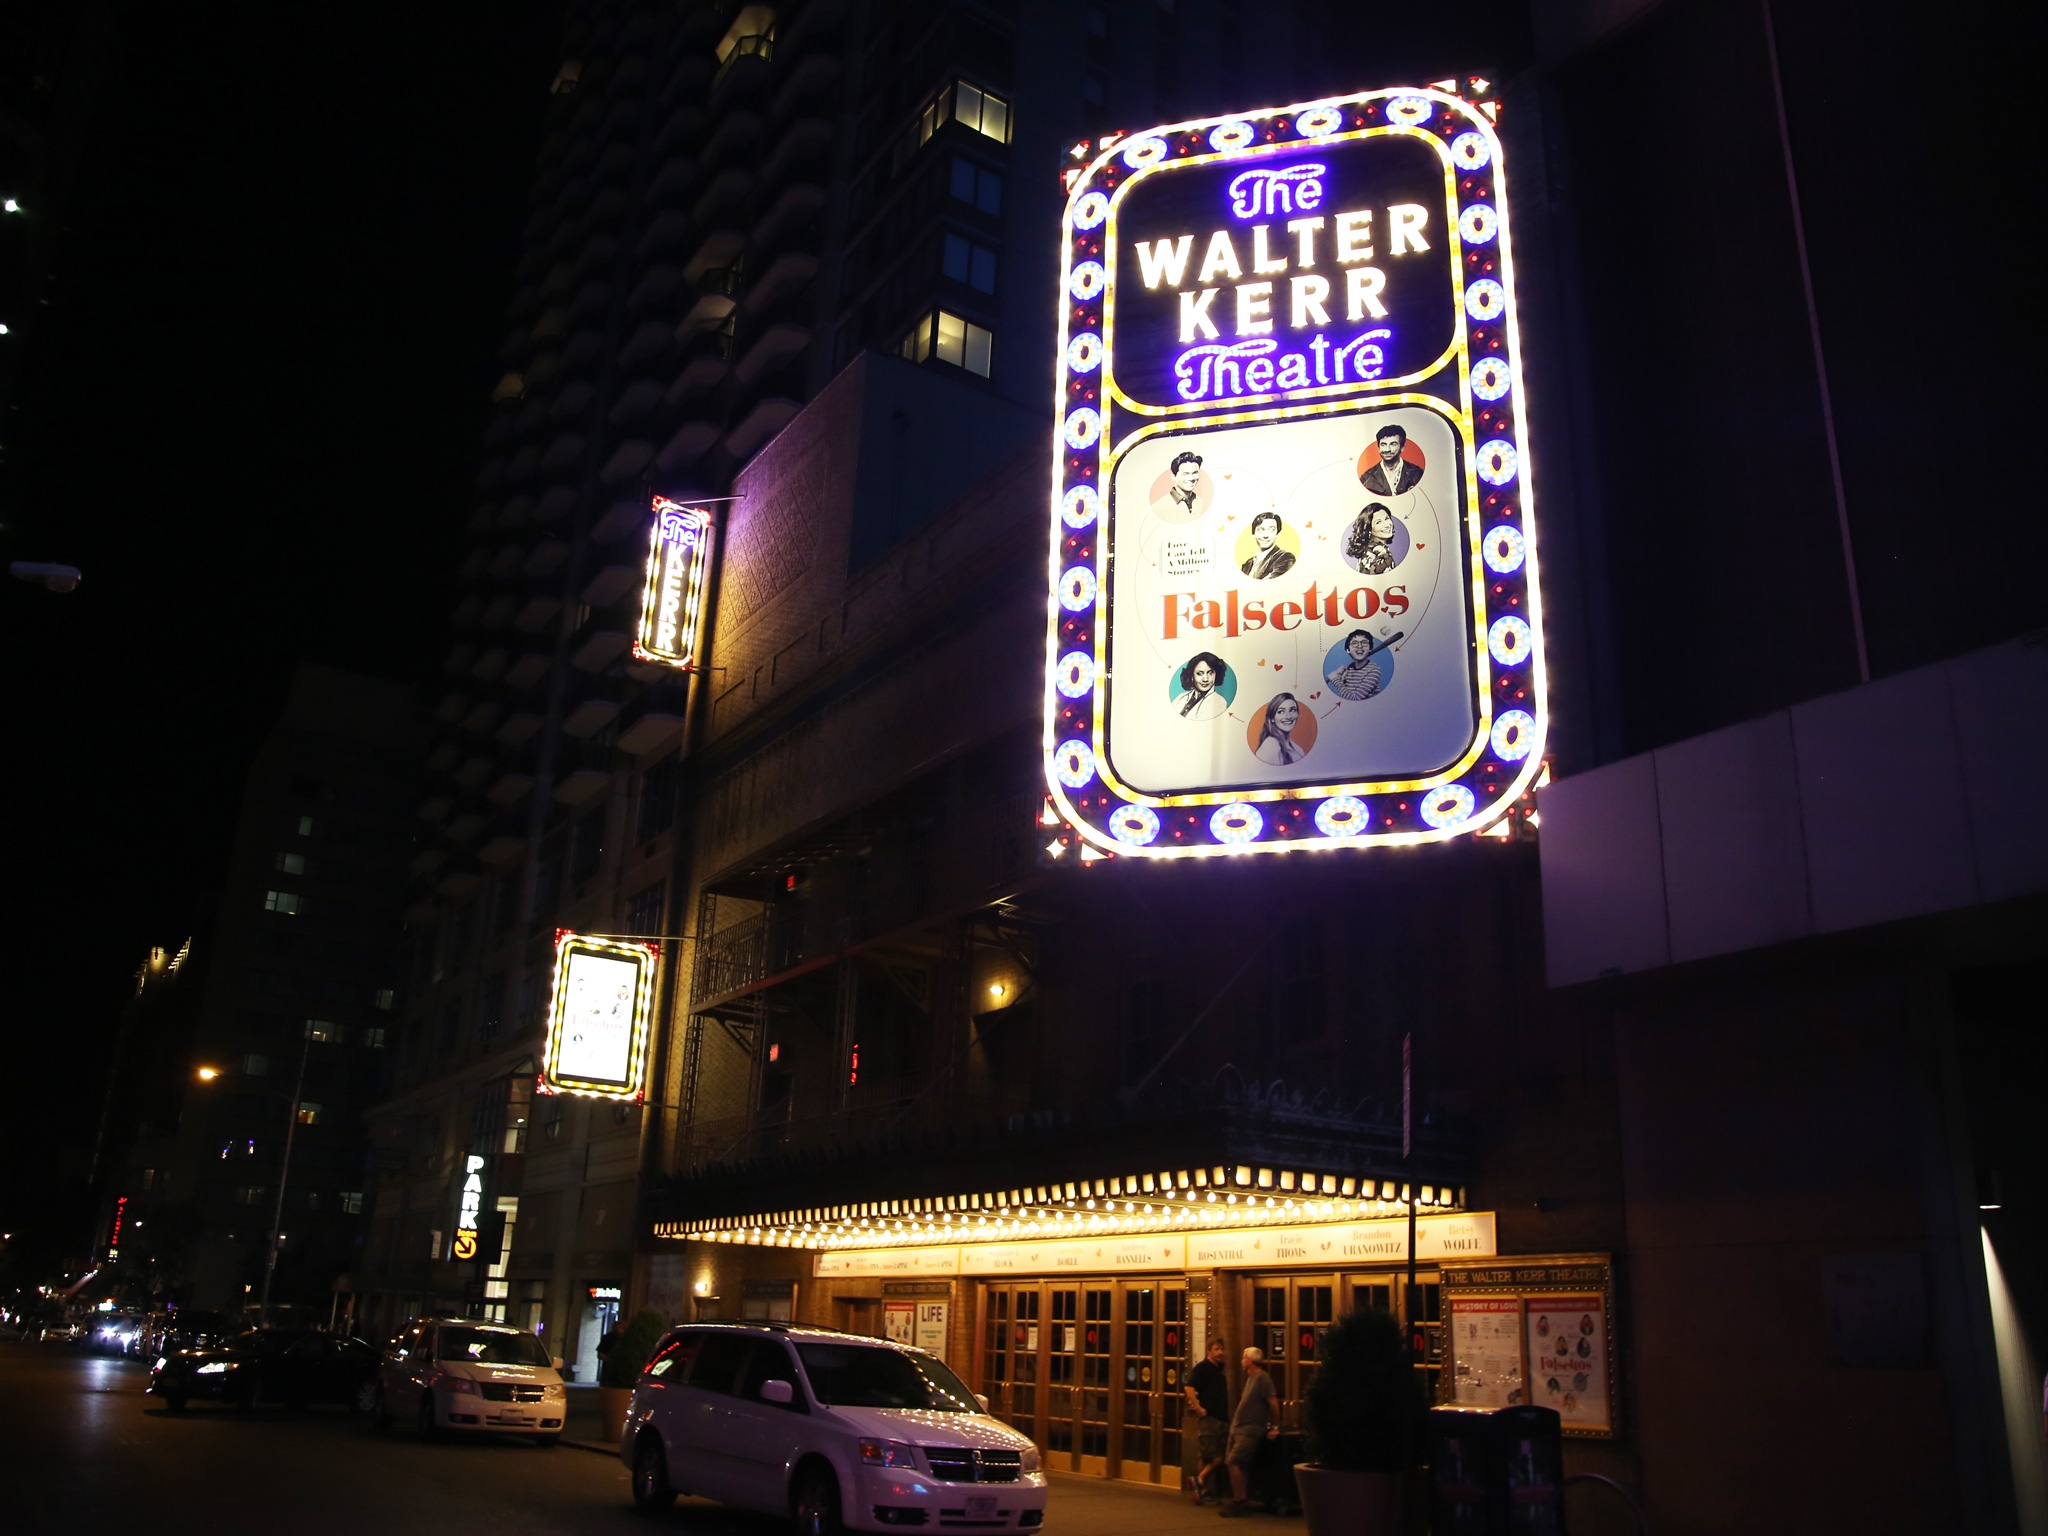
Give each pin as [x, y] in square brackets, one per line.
[284, 1168]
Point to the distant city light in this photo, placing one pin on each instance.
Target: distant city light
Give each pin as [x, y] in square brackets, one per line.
[10, 206]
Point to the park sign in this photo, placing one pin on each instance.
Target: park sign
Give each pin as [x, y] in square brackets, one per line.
[1294, 599]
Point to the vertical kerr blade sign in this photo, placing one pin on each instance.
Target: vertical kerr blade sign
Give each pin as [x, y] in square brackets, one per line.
[672, 603]
[1294, 598]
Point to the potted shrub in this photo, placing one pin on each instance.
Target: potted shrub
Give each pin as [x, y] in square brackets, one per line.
[622, 1367]
[1365, 1419]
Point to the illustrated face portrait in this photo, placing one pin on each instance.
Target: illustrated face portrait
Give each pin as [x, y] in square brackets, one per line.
[1285, 713]
[1359, 646]
[1391, 444]
[1204, 677]
[1187, 475]
[1382, 525]
[1265, 529]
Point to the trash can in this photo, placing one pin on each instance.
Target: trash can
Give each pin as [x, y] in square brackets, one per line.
[1496, 1472]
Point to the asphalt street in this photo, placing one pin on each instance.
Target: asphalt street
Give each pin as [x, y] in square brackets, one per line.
[84, 1450]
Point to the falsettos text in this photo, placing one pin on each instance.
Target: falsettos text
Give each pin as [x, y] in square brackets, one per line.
[1188, 614]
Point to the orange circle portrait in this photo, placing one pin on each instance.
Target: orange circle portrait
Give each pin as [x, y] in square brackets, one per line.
[1303, 735]
[1409, 452]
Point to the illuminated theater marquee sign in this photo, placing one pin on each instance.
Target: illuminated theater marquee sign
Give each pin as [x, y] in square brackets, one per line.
[598, 1017]
[672, 604]
[1293, 560]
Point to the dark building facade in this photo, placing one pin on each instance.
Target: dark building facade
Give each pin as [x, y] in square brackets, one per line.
[297, 1003]
[914, 1076]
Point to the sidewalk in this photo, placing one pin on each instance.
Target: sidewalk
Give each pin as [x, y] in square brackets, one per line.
[582, 1424]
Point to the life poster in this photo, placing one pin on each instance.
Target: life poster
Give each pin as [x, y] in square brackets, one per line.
[1568, 1344]
[1486, 1348]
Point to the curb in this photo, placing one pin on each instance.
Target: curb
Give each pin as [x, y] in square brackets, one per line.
[595, 1447]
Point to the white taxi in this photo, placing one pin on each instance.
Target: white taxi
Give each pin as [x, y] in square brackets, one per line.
[835, 1430]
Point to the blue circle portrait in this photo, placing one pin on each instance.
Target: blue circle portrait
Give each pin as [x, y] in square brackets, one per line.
[1349, 677]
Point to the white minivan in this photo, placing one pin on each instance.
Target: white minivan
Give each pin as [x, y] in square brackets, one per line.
[457, 1373]
[835, 1430]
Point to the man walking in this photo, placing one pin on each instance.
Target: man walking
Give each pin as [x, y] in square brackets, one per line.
[1208, 1394]
[1252, 1426]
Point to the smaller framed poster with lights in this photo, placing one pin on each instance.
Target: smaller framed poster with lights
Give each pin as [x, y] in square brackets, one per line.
[1535, 1330]
[598, 1017]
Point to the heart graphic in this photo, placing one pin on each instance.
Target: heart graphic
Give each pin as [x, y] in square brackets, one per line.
[1422, 546]
[1276, 666]
[1317, 694]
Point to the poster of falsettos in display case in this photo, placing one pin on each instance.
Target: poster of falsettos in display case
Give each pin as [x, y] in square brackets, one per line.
[1294, 564]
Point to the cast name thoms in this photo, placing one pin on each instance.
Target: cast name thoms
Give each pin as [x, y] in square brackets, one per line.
[1257, 261]
[1231, 616]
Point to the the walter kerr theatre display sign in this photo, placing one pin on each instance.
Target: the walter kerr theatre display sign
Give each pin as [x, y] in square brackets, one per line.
[598, 1016]
[1293, 559]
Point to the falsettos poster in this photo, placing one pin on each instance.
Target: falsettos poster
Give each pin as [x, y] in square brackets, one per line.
[1294, 566]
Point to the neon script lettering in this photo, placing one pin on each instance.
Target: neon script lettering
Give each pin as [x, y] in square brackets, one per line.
[1219, 371]
[1261, 194]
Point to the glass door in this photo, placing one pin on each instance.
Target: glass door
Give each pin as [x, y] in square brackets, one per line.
[1098, 1347]
[1151, 1370]
[1063, 1376]
[1290, 1318]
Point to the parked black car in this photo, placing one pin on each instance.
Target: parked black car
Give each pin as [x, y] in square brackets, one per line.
[271, 1365]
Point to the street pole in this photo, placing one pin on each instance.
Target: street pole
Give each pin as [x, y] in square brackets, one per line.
[1408, 1167]
[284, 1168]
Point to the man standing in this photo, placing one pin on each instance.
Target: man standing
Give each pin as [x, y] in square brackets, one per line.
[1208, 1394]
[1252, 1426]
[1393, 475]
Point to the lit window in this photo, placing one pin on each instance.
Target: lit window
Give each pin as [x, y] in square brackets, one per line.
[977, 185]
[280, 901]
[374, 1039]
[256, 1066]
[385, 998]
[982, 112]
[951, 340]
[352, 1202]
[968, 261]
[751, 32]
[307, 826]
[309, 1114]
[292, 863]
[323, 1030]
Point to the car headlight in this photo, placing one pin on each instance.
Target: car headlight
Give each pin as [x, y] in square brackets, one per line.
[887, 1453]
[556, 1390]
[159, 1363]
[213, 1368]
[1030, 1454]
[460, 1385]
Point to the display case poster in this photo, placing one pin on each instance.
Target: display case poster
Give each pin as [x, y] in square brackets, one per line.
[1486, 1342]
[899, 1322]
[1568, 1359]
[930, 1327]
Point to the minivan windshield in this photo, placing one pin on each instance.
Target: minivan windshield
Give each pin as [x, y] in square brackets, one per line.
[868, 1376]
[490, 1346]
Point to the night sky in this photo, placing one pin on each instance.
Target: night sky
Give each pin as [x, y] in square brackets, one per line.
[252, 419]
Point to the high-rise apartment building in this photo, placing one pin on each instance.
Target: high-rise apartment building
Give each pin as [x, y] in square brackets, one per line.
[733, 207]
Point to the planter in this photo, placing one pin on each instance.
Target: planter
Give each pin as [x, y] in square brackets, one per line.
[612, 1403]
[1349, 1503]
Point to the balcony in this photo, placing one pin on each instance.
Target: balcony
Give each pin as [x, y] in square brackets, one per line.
[590, 717]
[812, 79]
[509, 788]
[563, 453]
[487, 667]
[558, 503]
[474, 771]
[787, 276]
[717, 249]
[600, 648]
[637, 400]
[505, 564]
[726, 194]
[626, 462]
[643, 349]
[671, 181]
[582, 786]
[534, 617]
[518, 728]
[692, 440]
[527, 670]
[771, 350]
[482, 717]
[621, 518]
[652, 732]
[761, 423]
[806, 139]
[612, 584]
[546, 557]
[795, 209]
[666, 231]
[738, 137]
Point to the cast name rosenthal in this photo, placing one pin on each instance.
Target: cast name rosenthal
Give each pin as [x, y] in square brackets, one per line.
[1185, 609]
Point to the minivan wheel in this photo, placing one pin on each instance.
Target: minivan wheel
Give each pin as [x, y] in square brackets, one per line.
[429, 1430]
[814, 1506]
[651, 1491]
